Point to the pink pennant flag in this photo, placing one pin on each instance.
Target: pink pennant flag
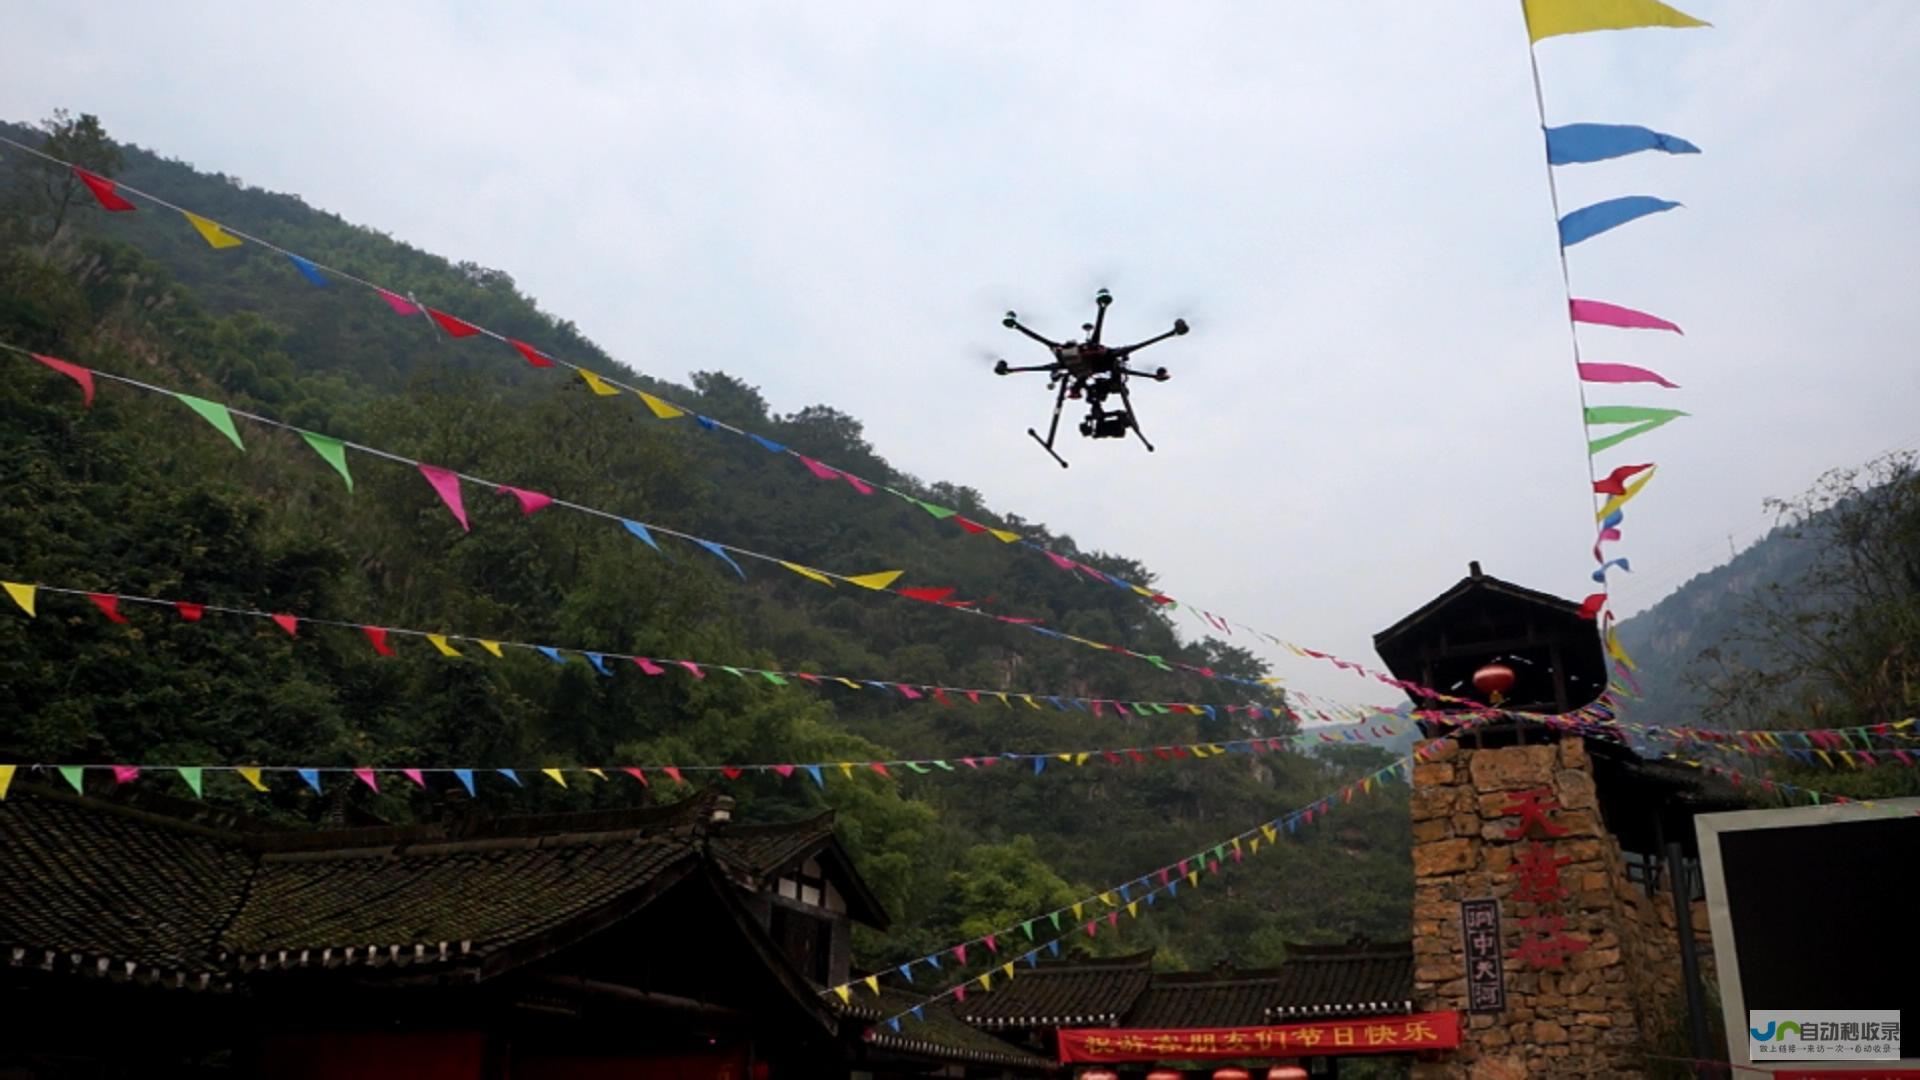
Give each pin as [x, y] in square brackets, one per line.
[1091, 928]
[822, 471]
[447, 483]
[960, 953]
[1113, 918]
[1600, 313]
[400, 304]
[731, 772]
[635, 772]
[125, 774]
[859, 485]
[960, 993]
[909, 692]
[673, 771]
[415, 775]
[109, 606]
[366, 777]
[783, 770]
[455, 327]
[289, 623]
[649, 666]
[1060, 561]
[190, 612]
[72, 371]
[529, 500]
[1622, 373]
[971, 763]
[693, 668]
[533, 356]
[992, 945]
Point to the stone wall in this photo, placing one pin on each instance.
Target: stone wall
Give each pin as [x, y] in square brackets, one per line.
[1597, 1015]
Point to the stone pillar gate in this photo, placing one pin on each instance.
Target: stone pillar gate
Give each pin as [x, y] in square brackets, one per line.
[1599, 1013]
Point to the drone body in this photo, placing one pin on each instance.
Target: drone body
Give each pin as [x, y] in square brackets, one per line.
[1092, 370]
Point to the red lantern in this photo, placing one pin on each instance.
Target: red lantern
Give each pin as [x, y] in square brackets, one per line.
[1493, 680]
[1166, 1074]
[1286, 1072]
[1099, 1074]
[1231, 1073]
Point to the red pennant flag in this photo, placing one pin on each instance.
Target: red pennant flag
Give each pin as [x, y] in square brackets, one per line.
[730, 772]
[970, 526]
[1112, 758]
[674, 772]
[960, 993]
[930, 595]
[1590, 607]
[109, 606]
[908, 692]
[72, 371]
[940, 696]
[692, 668]
[881, 768]
[189, 612]
[288, 623]
[457, 328]
[377, 637]
[533, 355]
[103, 190]
[1616, 481]
[1090, 928]
[859, 485]
[1162, 753]
[970, 762]
[634, 771]
[973, 696]
[1137, 756]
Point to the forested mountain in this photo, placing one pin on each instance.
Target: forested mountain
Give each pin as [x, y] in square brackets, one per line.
[137, 495]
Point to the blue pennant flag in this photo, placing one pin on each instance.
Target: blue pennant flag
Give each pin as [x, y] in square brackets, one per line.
[1124, 894]
[721, 553]
[1211, 715]
[1590, 221]
[1057, 703]
[640, 531]
[311, 776]
[1039, 764]
[1151, 896]
[1579, 144]
[906, 971]
[1600, 575]
[935, 961]
[1054, 946]
[894, 1023]
[307, 269]
[705, 421]
[814, 771]
[1614, 519]
[465, 776]
[1173, 887]
[599, 664]
[918, 1013]
[551, 653]
[511, 775]
[769, 444]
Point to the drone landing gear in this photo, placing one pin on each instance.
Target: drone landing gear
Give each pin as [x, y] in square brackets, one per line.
[1059, 400]
[1126, 404]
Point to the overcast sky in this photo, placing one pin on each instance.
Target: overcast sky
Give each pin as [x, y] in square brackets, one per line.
[1347, 200]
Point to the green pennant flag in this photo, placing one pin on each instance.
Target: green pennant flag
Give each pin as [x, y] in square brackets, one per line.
[942, 763]
[734, 671]
[191, 774]
[213, 413]
[1027, 928]
[1643, 418]
[332, 451]
[937, 511]
[1157, 662]
[774, 678]
[75, 775]
[917, 767]
[1056, 920]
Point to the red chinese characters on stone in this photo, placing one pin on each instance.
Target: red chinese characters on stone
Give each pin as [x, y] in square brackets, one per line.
[1544, 943]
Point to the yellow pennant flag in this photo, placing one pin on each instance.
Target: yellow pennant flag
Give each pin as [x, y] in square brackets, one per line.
[22, 595]
[1004, 536]
[1615, 650]
[491, 646]
[846, 995]
[1236, 843]
[1255, 845]
[849, 683]
[1080, 758]
[1193, 878]
[1107, 899]
[1068, 756]
[1626, 494]
[986, 980]
[1825, 758]
[1077, 912]
[846, 769]
[211, 231]
[440, 642]
[1199, 751]
[1272, 833]
[557, 776]
[1367, 784]
[1133, 908]
[1141, 591]
[1003, 700]
[1547, 18]
[595, 772]
[660, 408]
[1028, 698]
[809, 573]
[596, 383]
[873, 983]
[252, 776]
[1007, 970]
[6, 778]
[877, 580]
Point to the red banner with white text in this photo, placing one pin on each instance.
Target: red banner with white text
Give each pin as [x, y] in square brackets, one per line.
[1374, 1035]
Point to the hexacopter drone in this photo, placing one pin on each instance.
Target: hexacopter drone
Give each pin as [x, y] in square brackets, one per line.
[1094, 371]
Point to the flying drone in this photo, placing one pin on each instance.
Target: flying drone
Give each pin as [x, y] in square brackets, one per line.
[1093, 371]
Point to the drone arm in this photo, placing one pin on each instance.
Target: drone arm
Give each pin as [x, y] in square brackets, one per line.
[1014, 324]
[1127, 350]
[1017, 370]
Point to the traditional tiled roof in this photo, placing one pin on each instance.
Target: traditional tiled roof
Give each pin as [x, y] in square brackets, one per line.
[765, 850]
[937, 1033]
[1207, 999]
[1063, 993]
[1356, 979]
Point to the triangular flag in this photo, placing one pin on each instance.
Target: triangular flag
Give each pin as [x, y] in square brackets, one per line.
[596, 383]
[109, 606]
[307, 269]
[365, 775]
[809, 573]
[1590, 221]
[189, 611]
[1578, 144]
[491, 646]
[878, 580]
[845, 995]
[1622, 373]
[1547, 18]
[191, 774]
[873, 983]
[332, 451]
[660, 408]
[214, 413]
[1626, 494]
[455, 327]
[400, 304]
[640, 531]
[125, 774]
[533, 356]
[1615, 482]
[377, 637]
[72, 371]
[1601, 313]
[22, 595]
[76, 776]
[214, 235]
[465, 776]
[446, 483]
[440, 643]
[289, 623]
[556, 776]
[721, 553]
[103, 190]
[529, 500]
[252, 777]
[311, 776]
[824, 472]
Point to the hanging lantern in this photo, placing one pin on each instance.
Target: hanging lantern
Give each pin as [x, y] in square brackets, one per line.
[1494, 680]
[1231, 1073]
[1099, 1074]
[1286, 1072]
[1166, 1074]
